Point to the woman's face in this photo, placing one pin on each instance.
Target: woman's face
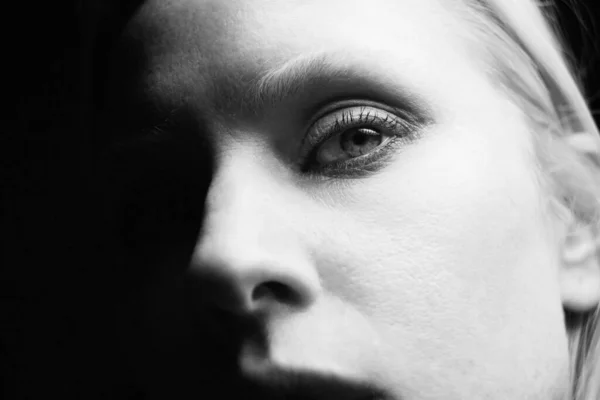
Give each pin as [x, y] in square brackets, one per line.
[371, 216]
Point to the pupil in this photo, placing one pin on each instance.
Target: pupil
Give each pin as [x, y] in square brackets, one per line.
[362, 135]
[360, 138]
[358, 141]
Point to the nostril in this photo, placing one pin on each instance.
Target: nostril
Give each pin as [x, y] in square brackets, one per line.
[275, 291]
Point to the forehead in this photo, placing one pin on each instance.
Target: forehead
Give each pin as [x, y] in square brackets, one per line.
[215, 50]
[243, 26]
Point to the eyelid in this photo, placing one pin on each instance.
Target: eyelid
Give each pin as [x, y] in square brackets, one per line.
[311, 141]
[397, 126]
[333, 107]
[335, 123]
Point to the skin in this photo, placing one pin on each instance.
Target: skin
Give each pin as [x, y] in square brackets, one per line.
[433, 276]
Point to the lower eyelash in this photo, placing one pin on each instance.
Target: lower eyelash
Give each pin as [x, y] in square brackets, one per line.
[364, 165]
[369, 163]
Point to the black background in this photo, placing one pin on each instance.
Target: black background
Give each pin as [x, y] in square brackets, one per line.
[51, 276]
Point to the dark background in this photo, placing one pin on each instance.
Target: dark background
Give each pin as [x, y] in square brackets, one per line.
[52, 274]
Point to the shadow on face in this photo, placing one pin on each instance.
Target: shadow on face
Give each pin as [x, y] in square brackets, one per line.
[349, 200]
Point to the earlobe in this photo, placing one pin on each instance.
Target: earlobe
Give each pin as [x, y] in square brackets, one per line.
[580, 271]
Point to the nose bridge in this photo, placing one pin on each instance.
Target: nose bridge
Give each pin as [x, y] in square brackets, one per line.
[242, 197]
[249, 252]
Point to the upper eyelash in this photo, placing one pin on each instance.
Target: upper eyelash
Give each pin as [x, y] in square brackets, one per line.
[349, 118]
[362, 117]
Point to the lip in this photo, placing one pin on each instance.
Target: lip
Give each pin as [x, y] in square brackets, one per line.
[280, 383]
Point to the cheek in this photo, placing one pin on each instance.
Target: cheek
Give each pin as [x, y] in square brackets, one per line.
[453, 258]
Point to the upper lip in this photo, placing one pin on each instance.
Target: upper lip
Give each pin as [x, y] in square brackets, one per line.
[309, 385]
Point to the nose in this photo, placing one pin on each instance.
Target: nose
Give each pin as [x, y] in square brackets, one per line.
[250, 257]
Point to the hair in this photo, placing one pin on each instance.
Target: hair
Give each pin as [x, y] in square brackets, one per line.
[522, 51]
[521, 48]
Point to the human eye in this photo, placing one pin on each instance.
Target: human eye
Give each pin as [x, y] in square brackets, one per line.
[355, 139]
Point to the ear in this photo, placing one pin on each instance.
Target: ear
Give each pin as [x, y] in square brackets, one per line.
[580, 270]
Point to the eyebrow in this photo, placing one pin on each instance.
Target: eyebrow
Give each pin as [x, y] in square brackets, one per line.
[322, 71]
[292, 77]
